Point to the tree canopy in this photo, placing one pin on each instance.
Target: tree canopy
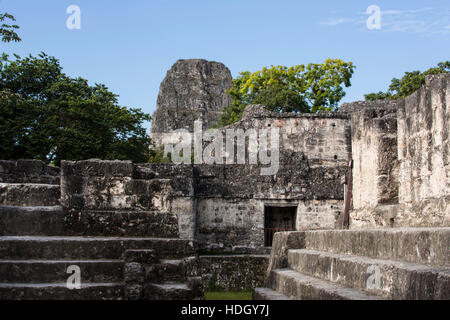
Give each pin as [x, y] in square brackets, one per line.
[310, 88]
[47, 115]
[8, 31]
[408, 84]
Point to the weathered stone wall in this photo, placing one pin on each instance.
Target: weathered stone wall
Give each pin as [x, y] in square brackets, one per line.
[28, 183]
[221, 206]
[323, 138]
[237, 225]
[319, 214]
[182, 200]
[28, 171]
[314, 152]
[424, 155]
[117, 197]
[375, 164]
[232, 272]
[230, 198]
[401, 174]
[230, 225]
[109, 185]
[295, 180]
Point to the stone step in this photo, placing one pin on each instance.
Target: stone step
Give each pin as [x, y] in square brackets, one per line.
[170, 270]
[54, 221]
[121, 223]
[28, 171]
[29, 194]
[267, 294]
[59, 291]
[30, 221]
[49, 271]
[298, 286]
[387, 278]
[168, 291]
[142, 256]
[57, 248]
[428, 246]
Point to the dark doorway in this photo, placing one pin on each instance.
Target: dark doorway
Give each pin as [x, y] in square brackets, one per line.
[278, 219]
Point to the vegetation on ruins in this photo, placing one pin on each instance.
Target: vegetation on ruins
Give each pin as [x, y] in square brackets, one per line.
[47, 115]
[408, 84]
[8, 31]
[310, 88]
[157, 155]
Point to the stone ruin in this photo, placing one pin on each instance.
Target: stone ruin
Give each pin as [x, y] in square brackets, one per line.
[192, 90]
[171, 231]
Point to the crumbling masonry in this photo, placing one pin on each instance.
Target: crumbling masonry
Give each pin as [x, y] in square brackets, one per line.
[168, 231]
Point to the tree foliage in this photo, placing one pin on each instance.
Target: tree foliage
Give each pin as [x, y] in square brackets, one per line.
[157, 155]
[310, 88]
[47, 115]
[8, 31]
[408, 84]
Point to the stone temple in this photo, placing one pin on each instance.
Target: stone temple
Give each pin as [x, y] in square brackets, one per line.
[359, 207]
[192, 90]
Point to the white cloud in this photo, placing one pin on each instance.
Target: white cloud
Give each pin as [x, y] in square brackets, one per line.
[423, 20]
[405, 12]
[335, 22]
[342, 21]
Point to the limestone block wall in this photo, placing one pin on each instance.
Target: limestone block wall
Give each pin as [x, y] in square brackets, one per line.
[375, 164]
[400, 149]
[423, 151]
[323, 139]
[314, 152]
[181, 199]
[109, 185]
[98, 195]
[237, 225]
[230, 225]
[319, 214]
[220, 206]
[28, 171]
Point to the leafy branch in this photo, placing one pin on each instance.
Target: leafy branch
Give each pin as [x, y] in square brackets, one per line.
[8, 31]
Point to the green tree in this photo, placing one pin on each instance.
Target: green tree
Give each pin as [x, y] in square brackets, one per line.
[7, 31]
[157, 155]
[311, 88]
[47, 115]
[408, 84]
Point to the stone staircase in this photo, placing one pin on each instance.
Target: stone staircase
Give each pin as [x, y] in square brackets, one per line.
[39, 240]
[35, 267]
[167, 278]
[394, 264]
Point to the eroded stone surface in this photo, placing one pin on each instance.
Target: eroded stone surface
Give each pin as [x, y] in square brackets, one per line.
[401, 156]
[231, 272]
[193, 89]
[28, 171]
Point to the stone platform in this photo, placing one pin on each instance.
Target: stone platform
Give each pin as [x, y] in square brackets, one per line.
[397, 264]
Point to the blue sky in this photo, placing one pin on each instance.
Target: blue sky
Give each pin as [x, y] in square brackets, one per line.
[130, 45]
